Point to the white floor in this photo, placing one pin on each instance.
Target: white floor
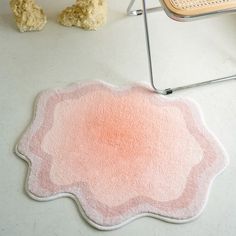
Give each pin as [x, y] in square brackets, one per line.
[57, 56]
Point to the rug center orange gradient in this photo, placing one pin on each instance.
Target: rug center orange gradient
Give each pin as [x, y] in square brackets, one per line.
[91, 133]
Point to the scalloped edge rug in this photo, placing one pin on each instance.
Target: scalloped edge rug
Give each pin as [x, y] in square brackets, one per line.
[121, 153]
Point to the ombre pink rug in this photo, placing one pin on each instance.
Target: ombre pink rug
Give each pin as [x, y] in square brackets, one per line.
[120, 153]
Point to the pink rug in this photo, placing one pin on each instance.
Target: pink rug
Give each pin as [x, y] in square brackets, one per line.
[120, 153]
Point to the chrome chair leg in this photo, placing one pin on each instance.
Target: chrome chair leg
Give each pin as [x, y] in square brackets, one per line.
[138, 12]
[167, 91]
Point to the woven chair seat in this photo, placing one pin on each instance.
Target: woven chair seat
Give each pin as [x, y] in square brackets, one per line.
[191, 8]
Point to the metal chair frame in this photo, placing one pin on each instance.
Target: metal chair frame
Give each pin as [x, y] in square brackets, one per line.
[144, 11]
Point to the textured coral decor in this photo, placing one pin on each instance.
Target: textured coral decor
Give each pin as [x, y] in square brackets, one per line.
[120, 153]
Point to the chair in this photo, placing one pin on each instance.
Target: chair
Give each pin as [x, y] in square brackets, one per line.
[183, 10]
